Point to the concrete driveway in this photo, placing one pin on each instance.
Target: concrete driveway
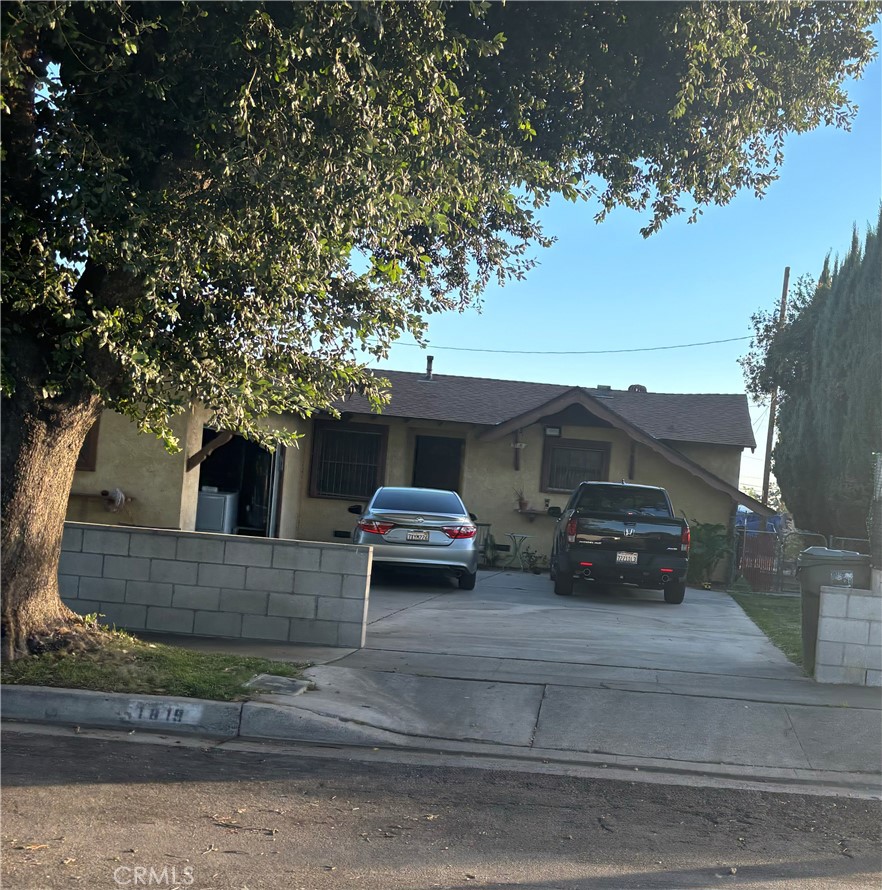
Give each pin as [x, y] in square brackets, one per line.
[622, 677]
[516, 616]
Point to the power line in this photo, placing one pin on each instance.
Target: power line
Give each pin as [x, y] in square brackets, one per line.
[573, 351]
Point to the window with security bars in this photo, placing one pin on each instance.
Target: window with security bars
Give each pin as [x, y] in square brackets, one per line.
[567, 462]
[347, 461]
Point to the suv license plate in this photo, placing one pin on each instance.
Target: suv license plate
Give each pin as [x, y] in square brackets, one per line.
[626, 556]
[417, 536]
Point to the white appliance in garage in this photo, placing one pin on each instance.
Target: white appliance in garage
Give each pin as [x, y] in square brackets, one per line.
[217, 511]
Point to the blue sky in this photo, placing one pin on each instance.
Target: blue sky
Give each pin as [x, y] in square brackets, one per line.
[605, 287]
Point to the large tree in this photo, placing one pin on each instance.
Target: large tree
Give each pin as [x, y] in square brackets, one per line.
[219, 202]
[826, 362]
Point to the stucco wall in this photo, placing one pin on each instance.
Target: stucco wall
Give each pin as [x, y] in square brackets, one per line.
[489, 479]
[722, 460]
[692, 498]
[163, 492]
[165, 495]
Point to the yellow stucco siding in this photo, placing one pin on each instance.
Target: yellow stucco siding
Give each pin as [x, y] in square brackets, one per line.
[691, 497]
[722, 460]
[163, 493]
[490, 477]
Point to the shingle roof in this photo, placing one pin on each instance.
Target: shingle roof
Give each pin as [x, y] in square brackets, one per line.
[711, 418]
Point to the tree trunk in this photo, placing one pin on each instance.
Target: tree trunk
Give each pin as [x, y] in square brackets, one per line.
[41, 442]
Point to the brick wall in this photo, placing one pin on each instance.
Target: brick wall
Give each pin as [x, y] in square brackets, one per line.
[849, 648]
[217, 585]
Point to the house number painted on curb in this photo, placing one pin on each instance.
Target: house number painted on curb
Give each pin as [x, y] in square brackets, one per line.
[153, 712]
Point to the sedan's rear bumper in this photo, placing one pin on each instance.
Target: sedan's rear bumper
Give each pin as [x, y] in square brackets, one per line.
[454, 557]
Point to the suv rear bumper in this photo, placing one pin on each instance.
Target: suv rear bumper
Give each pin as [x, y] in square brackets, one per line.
[601, 565]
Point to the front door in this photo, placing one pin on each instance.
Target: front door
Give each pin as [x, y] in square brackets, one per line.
[437, 462]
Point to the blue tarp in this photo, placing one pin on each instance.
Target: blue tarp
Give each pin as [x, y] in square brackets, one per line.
[753, 522]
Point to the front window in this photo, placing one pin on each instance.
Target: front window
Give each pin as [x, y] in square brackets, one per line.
[348, 461]
[567, 462]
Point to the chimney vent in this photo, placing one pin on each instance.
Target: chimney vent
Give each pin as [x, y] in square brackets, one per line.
[429, 360]
[637, 387]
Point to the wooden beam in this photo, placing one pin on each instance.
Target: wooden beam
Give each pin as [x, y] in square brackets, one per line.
[221, 438]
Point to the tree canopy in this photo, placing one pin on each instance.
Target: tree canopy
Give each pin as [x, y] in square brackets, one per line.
[826, 361]
[219, 201]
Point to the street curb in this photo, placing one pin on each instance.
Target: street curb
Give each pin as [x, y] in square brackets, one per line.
[115, 710]
[261, 721]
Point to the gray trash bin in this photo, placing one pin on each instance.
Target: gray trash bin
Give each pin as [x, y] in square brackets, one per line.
[819, 567]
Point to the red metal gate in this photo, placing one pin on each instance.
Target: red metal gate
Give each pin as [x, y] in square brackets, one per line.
[758, 559]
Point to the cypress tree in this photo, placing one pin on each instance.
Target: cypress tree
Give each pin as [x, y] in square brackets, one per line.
[828, 366]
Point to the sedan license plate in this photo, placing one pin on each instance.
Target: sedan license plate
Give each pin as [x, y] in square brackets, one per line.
[626, 556]
[417, 536]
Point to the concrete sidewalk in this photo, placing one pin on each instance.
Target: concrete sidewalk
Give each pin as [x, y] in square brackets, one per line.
[704, 731]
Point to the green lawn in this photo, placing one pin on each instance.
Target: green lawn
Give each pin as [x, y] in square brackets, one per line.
[123, 663]
[778, 617]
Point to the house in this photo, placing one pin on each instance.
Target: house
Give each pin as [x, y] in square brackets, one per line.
[483, 437]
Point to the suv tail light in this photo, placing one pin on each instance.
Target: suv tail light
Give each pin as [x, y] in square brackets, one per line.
[572, 528]
[685, 539]
[372, 526]
[460, 531]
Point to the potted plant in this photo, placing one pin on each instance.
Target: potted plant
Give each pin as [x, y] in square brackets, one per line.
[533, 561]
[523, 503]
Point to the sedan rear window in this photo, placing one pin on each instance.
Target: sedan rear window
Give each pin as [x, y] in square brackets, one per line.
[412, 500]
[623, 500]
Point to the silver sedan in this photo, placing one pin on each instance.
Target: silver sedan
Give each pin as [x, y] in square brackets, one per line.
[419, 527]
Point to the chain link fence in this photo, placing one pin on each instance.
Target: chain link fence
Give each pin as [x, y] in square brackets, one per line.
[767, 560]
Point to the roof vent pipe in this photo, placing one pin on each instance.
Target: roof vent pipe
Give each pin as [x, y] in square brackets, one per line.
[429, 360]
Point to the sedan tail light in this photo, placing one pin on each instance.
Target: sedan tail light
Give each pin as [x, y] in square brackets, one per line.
[460, 531]
[373, 527]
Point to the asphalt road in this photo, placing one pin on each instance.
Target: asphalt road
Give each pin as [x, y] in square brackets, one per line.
[86, 812]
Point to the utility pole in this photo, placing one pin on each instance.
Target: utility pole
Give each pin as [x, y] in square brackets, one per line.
[773, 403]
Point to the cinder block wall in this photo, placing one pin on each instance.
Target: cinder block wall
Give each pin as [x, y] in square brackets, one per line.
[849, 647]
[217, 585]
